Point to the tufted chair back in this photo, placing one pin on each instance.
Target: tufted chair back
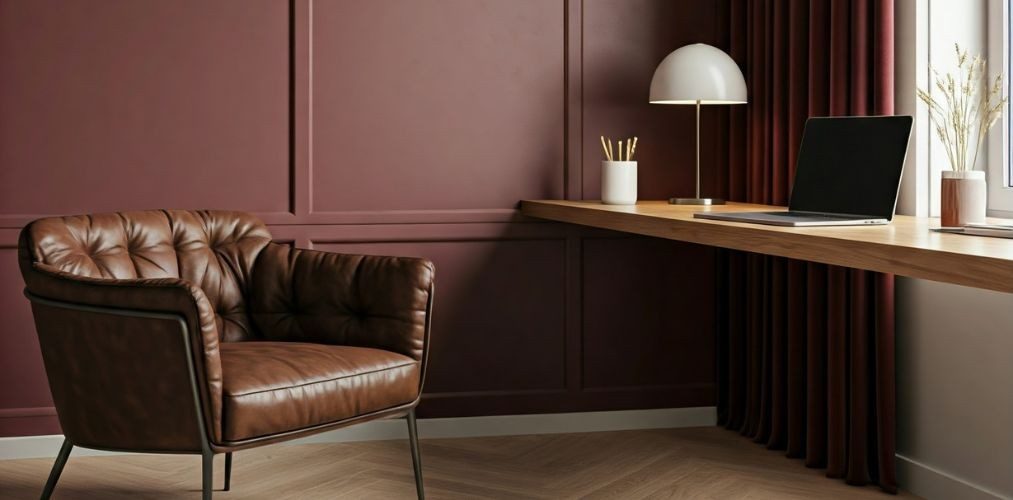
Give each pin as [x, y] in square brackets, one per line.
[214, 250]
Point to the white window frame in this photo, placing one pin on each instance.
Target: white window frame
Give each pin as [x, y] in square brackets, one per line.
[1000, 194]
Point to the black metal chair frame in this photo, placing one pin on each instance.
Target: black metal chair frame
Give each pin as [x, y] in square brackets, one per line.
[207, 455]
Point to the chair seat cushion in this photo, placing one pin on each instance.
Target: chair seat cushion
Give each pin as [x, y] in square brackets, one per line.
[274, 387]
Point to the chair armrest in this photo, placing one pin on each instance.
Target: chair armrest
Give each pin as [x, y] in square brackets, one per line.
[122, 329]
[368, 301]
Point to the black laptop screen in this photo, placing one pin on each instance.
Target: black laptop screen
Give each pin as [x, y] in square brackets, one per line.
[851, 165]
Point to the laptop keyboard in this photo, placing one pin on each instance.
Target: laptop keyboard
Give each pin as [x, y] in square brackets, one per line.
[790, 216]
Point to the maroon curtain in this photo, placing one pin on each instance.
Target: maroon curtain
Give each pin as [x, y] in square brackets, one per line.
[806, 356]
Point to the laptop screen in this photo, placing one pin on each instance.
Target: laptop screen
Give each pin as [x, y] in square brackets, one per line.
[851, 165]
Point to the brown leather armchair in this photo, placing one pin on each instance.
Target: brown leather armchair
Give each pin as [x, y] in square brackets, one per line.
[191, 332]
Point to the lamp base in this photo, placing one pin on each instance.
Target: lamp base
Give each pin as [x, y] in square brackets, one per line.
[696, 201]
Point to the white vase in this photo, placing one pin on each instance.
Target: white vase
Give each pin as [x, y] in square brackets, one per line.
[619, 182]
[964, 196]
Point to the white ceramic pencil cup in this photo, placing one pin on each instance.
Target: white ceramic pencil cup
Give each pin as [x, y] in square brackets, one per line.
[619, 182]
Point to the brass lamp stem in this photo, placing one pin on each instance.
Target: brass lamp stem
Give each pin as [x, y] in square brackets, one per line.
[698, 148]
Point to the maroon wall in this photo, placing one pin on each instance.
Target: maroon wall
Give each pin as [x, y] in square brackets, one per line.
[383, 126]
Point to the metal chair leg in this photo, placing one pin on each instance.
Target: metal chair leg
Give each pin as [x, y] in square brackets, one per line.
[413, 439]
[54, 475]
[207, 470]
[228, 471]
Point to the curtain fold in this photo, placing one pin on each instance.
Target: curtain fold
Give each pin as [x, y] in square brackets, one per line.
[807, 350]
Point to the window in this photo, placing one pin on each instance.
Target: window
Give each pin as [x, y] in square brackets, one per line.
[999, 168]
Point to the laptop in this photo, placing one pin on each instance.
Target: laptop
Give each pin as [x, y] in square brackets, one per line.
[848, 174]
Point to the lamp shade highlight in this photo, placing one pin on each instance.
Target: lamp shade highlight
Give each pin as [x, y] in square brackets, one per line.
[698, 73]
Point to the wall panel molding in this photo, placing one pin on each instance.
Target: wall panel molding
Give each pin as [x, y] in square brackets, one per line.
[301, 107]
[348, 217]
[449, 216]
[41, 411]
[574, 88]
[370, 233]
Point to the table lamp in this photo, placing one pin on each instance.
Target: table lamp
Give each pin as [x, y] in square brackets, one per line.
[698, 74]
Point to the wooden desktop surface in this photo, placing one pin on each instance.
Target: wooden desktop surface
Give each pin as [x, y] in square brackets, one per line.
[905, 247]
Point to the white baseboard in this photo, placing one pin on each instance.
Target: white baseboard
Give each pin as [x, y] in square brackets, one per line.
[430, 428]
[932, 484]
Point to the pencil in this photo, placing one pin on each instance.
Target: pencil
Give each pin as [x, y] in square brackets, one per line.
[620, 150]
[629, 149]
[605, 148]
[634, 150]
[610, 149]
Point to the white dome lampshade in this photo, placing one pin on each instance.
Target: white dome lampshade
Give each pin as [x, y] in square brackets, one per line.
[698, 73]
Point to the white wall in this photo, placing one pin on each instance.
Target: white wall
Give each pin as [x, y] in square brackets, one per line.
[955, 387]
[954, 344]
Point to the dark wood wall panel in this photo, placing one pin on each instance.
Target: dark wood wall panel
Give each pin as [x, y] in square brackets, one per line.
[648, 313]
[121, 104]
[382, 126]
[472, 93]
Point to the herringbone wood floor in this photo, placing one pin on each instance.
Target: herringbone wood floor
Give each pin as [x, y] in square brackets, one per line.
[699, 463]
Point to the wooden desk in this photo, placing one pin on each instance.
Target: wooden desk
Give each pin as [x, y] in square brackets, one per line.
[905, 247]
